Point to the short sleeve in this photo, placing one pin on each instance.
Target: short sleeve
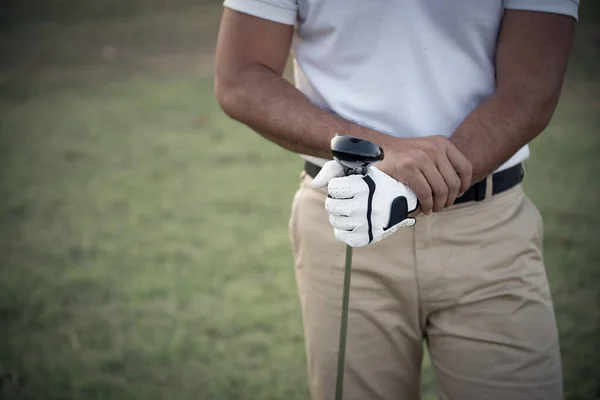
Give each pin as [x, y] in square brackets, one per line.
[566, 7]
[282, 11]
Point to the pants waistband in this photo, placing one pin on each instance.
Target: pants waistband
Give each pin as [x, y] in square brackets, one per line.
[501, 182]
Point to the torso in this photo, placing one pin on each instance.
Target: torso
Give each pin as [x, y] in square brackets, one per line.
[409, 68]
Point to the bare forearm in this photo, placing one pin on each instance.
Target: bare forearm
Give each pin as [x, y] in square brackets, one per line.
[531, 59]
[499, 127]
[274, 108]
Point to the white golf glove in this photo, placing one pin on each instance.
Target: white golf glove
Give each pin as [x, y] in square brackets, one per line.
[365, 209]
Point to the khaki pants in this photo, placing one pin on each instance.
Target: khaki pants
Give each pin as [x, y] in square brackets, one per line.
[468, 281]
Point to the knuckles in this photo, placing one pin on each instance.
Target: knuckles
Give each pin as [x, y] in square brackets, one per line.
[441, 191]
[454, 185]
[430, 148]
[437, 143]
[466, 168]
[413, 161]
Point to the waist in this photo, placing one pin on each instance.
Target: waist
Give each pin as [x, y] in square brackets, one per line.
[519, 157]
[500, 182]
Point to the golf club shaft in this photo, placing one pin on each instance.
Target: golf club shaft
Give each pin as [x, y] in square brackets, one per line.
[339, 385]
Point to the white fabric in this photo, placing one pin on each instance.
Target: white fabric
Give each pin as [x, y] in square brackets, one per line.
[282, 11]
[568, 7]
[409, 68]
[348, 204]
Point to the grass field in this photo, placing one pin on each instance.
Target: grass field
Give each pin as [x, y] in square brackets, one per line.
[143, 235]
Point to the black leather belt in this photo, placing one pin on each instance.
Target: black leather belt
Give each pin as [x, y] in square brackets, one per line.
[501, 181]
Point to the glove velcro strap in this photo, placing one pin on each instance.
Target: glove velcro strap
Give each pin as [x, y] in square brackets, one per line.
[399, 211]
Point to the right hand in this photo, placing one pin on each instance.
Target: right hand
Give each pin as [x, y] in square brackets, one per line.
[431, 166]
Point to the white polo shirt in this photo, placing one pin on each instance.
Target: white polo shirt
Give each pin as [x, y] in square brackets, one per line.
[408, 68]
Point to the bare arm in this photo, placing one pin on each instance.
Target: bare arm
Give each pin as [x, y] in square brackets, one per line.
[251, 55]
[531, 59]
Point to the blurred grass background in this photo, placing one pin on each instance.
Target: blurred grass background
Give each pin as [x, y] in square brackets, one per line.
[143, 234]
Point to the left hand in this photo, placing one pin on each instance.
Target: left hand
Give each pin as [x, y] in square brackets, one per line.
[365, 209]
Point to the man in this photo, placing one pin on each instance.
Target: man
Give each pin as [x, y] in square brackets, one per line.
[453, 91]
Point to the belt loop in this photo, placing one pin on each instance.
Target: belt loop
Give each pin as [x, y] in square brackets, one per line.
[489, 186]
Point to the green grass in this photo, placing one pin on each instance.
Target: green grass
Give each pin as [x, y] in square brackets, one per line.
[144, 254]
[144, 250]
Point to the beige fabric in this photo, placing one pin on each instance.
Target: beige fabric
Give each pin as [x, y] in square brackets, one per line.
[468, 281]
[489, 186]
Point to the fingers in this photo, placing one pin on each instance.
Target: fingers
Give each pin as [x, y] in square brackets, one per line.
[346, 187]
[419, 184]
[432, 167]
[350, 238]
[344, 223]
[439, 189]
[408, 169]
[408, 222]
[462, 166]
[452, 181]
[415, 213]
[331, 169]
[341, 207]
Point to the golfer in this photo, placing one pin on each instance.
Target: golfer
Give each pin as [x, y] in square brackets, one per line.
[453, 91]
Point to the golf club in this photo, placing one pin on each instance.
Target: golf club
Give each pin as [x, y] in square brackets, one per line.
[355, 156]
